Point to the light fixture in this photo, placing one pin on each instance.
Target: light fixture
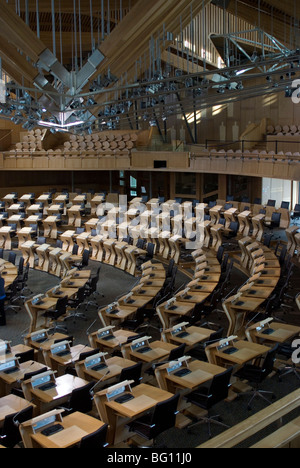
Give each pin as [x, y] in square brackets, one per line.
[44, 123]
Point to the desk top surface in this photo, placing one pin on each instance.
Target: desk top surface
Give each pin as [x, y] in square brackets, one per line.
[76, 426]
[247, 351]
[145, 398]
[201, 372]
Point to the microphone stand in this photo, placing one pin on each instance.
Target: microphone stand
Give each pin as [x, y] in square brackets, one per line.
[92, 393]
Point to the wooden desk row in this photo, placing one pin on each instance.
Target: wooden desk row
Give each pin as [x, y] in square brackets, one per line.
[151, 282]
[48, 259]
[293, 237]
[264, 272]
[37, 306]
[145, 396]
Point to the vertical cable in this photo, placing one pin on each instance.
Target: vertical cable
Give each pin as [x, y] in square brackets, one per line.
[102, 19]
[79, 28]
[60, 34]
[108, 17]
[75, 35]
[53, 27]
[26, 13]
[37, 19]
[92, 26]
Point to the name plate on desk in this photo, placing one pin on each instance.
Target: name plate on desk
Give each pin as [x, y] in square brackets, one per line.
[40, 425]
[9, 366]
[42, 379]
[112, 308]
[37, 301]
[180, 329]
[61, 349]
[170, 304]
[96, 362]
[178, 365]
[5, 348]
[119, 389]
[140, 343]
[105, 333]
[39, 337]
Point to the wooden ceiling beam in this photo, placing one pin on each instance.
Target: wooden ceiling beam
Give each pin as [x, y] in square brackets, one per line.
[281, 29]
[130, 39]
[172, 24]
[290, 8]
[12, 27]
[67, 6]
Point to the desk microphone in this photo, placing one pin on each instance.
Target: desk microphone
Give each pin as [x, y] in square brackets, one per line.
[14, 419]
[92, 393]
[88, 329]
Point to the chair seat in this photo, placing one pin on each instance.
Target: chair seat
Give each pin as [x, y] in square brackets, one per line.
[251, 373]
[199, 397]
[143, 427]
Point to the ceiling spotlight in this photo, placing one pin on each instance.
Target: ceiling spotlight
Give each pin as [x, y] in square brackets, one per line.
[91, 102]
[17, 119]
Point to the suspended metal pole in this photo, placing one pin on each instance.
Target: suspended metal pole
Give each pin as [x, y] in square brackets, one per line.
[53, 26]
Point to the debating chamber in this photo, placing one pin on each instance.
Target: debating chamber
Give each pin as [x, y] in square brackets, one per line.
[149, 226]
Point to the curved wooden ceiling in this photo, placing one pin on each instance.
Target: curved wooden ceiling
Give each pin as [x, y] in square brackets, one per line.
[120, 29]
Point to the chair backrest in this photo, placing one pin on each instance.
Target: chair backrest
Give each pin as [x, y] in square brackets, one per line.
[170, 268]
[140, 244]
[219, 388]
[26, 356]
[164, 415]
[267, 239]
[80, 294]
[132, 373]
[215, 336]
[61, 304]
[21, 266]
[150, 249]
[41, 240]
[81, 399]
[285, 205]
[75, 249]
[234, 226]
[11, 429]
[297, 207]
[85, 257]
[12, 257]
[177, 352]
[268, 364]
[83, 356]
[95, 440]
[276, 218]
[271, 203]
[32, 374]
[93, 284]
[220, 253]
